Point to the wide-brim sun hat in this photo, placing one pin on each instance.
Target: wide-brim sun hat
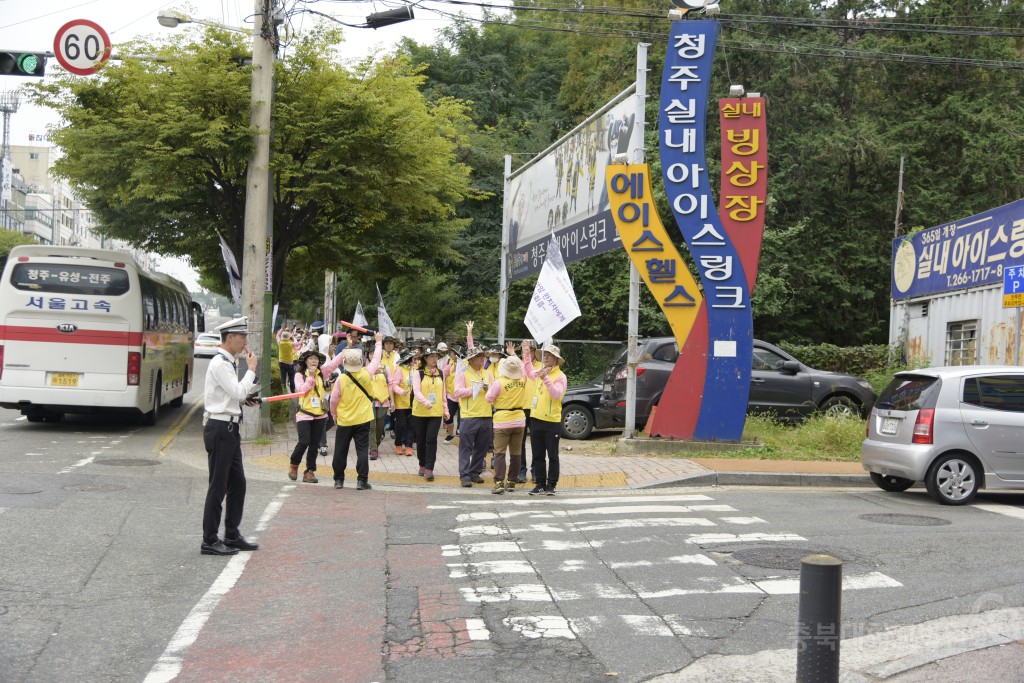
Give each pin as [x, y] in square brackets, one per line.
[554, 351]
[307, 354]
[496, 350]
[511, 367]
[442, 348]
[430, 351]
[474, 351]
[352, 359]
[405, 358]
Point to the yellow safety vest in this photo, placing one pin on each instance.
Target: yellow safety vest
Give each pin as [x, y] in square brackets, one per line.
[389, 360]
[449, 381]
[544, 407]
[508, 406]
[531, 388]
[286, 351]
[430, 384]
[354, 408]
[402, 401]
[312, 402]
[379, 389]
[475, 407]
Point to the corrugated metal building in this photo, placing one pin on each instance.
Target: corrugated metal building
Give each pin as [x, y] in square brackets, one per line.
[948, 290]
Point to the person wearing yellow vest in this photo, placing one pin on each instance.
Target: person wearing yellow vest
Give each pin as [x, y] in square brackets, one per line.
[286, 359]
[531, 391]
[352, 407]
[311, 416]
[506, 394]
[475, 428]
[401, 388]
[430, 406]
[381, 393]
[449, 367]
[546, 416]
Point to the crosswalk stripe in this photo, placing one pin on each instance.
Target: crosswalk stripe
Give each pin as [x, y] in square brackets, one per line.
[681, 498]
[710, 539]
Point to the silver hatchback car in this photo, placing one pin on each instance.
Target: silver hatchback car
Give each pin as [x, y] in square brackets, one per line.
[957, 429]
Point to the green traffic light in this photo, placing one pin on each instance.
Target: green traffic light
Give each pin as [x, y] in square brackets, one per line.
[28, 63]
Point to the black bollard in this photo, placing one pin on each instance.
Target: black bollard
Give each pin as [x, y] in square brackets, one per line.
[821, 600]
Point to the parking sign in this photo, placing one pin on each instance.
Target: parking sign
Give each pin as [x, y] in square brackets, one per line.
[1013, 286]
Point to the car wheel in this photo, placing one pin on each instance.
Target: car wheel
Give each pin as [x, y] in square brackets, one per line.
[888, 482]
[577, 422]
[952, 479]
[840, 406]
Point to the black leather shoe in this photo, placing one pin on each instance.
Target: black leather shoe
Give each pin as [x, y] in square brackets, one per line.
[467, 484]
[241, 543]
[363, 485]
[476, 479]
[217, 548]
[339, 483]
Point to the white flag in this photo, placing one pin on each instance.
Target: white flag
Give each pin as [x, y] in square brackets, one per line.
[384, 323]
[234, 275]
[553, 305]
[6, 179]
[358, 318]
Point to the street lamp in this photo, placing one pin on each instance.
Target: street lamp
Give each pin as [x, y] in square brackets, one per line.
[258, 229]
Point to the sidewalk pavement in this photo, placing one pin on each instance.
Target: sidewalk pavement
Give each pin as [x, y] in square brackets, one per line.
[578, 471]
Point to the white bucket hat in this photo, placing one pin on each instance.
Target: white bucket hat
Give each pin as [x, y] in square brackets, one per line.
[352, 359]
[554, 351]
[511, 367]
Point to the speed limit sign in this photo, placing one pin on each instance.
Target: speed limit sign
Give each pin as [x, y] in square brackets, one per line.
[81, 46]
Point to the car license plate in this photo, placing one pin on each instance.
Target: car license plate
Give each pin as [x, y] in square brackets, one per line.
[64, 379]
[889, 425]
[607, 387]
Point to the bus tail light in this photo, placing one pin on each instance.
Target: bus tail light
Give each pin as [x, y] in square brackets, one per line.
[1, 361]
[134, 368]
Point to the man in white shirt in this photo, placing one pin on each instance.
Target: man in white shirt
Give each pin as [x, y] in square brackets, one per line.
[224, 397]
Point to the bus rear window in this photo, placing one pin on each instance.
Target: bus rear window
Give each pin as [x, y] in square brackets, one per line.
[69, 279]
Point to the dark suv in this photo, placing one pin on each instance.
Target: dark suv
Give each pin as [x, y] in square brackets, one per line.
[780, 385]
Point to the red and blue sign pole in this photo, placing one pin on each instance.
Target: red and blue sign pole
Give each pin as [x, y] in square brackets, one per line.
[682, 138]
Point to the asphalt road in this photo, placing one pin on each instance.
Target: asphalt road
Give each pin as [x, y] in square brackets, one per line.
[102, 580]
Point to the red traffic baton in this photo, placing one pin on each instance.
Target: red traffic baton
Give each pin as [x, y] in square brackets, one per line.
[282, 397]
[355, 327]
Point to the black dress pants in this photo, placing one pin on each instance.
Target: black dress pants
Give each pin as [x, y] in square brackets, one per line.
[345, 435]
[227, 478]
[544, 439]
[310, 433]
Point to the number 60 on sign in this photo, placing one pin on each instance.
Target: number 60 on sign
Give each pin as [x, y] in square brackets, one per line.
[81, 46]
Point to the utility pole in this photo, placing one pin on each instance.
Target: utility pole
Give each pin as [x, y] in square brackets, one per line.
[256, 275]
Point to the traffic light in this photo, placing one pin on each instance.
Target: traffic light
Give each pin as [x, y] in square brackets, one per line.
[22, 63]
[389, 17]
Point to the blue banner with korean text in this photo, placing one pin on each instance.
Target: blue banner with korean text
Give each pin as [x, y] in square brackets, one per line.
[682, 121]
[970, 252]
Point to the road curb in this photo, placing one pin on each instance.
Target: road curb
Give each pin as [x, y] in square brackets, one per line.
[762, 479]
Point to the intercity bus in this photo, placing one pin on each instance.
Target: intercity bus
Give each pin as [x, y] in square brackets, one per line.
[89, 331]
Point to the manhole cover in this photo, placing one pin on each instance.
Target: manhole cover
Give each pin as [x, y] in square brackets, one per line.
[10, 491]
[127, 462]
[94, 488]
[776, 558]
[904, 520]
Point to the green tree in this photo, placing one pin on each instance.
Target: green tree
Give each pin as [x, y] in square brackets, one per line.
[8, 240]
[365, 170]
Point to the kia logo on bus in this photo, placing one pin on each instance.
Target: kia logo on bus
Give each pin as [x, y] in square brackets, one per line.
[67, 328]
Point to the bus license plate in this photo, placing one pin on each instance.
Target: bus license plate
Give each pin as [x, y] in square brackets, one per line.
[64, 379]
[889, 425]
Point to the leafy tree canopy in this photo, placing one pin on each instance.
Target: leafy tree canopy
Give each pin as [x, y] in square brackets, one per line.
[366, 174]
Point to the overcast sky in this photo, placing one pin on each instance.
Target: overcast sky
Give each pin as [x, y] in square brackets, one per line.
[32, 26]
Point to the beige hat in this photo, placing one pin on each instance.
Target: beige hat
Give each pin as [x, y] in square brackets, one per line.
[554, 351]
[511, 367]
[285, 336]
[352, 359]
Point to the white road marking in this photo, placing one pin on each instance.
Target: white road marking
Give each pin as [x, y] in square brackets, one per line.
[477, 629]
[743, 520]
[685, 498]
[476, 548]
[571, 545]
[169, 665]
[81, 463]
[462, 570]
[647, 625]
[643, 523]
[541, 627]
[678, 559]
[527, 592]
[853, 582]
[709, 539]
[1007, 510]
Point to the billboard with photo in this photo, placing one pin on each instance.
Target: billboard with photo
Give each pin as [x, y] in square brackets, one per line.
[563, 192]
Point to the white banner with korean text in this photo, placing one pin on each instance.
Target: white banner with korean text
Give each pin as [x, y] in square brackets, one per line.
[553, 305]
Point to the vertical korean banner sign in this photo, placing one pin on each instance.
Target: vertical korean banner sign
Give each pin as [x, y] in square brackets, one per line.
[682, 121]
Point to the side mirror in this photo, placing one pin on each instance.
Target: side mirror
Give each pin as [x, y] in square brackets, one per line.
[790, 367]
[199, 316]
